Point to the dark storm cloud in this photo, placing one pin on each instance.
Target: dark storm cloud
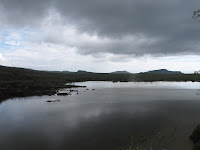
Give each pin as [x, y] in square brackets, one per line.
[157, 27]
[21, 13]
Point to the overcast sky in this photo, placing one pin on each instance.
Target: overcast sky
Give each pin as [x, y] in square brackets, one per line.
[100, 35]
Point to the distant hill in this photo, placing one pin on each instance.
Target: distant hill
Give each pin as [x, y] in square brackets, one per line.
[83, 72]
[121, 72]
[18, 82]
[161, 71]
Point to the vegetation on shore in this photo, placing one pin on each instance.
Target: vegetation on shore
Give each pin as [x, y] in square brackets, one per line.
[159, 141]
[195, 137]
[18, 82]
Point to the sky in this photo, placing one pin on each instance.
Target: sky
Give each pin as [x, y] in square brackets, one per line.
[100, 35]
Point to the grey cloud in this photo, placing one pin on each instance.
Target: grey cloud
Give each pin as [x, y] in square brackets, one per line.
[19, 13]
[169, 22]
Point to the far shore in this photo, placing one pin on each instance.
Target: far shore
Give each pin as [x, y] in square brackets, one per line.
[20, 82]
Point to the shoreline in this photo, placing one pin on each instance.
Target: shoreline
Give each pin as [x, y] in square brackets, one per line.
[16, 93]
[21, 82]
[49, 92]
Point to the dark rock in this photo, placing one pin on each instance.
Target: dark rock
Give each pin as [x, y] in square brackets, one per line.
[62, 93]
[52, 101]
[49, 101]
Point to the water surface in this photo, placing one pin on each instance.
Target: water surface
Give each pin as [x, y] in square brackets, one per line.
[101, 119]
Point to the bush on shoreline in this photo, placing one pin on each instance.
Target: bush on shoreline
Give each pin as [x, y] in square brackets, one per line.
[195, 137]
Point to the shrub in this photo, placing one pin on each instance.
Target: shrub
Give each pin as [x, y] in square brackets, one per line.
[195, 137]
[196, 146]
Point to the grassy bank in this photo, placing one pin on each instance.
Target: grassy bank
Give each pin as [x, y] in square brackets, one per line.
[17, 82]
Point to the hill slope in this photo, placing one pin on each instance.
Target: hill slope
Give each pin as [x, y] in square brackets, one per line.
[18, 82]
[121, 72]
[162, 71]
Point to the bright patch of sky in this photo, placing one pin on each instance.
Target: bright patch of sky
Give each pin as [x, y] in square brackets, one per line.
[10, 38]
[24, 48]
[187, 58]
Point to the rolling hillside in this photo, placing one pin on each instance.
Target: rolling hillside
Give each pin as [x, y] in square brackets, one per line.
[17, 82]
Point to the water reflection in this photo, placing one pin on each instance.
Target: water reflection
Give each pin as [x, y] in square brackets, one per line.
[100, 119]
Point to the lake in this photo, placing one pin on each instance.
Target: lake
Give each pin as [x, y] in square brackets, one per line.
[102, 116]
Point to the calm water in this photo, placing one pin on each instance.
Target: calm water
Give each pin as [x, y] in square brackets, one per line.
[101, 119]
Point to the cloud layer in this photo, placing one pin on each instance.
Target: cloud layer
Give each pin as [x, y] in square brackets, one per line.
[117, 30]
